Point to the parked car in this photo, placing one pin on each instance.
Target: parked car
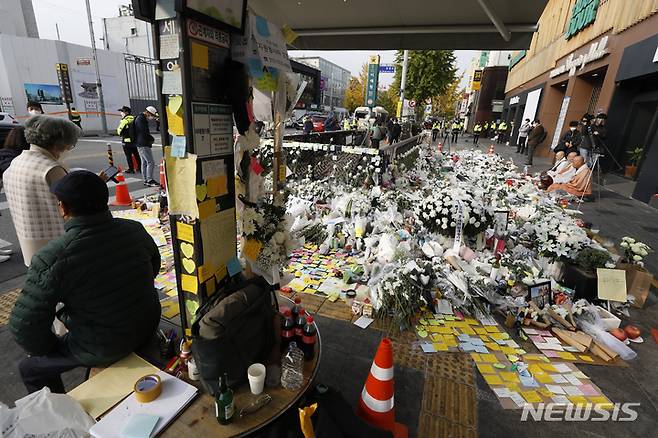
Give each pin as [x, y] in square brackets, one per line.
[7, 123]
[318, 123]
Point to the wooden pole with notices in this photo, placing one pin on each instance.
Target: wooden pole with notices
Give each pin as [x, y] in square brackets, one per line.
[279, 175]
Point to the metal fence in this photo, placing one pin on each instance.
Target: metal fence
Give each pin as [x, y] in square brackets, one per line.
[142, 85]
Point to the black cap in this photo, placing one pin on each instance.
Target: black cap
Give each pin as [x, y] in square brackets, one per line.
[125, 109]
[83, 192]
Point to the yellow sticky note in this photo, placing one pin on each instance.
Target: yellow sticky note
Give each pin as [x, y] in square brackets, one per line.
[531, 396]
[480, 330]
[493, 379]
[603, 402]
[444, 330]
[566, 355]
[476, 357]
[188, 265]
[175, 104]
[492, 329]
[187, 249]
[252, 249]
[450, 340]
[471, 321]
[171, 311]
[585, 358]
[221, 274]
[174, 123]
[207, 208]
[508, 350]
[440, 347]
[201, 192]
[492, 346]
[485, 368]
[577, 399]
[172, 293]
[185, 232]
[189, 283]
[467, 331]
[509, 376]
[199, 55]
[543, 378]
[288, 34]
[489, 358]
[216, 186]
[548, 367]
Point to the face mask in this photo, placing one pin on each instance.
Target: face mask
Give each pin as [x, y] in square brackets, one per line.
[572, 129]
[34, 112]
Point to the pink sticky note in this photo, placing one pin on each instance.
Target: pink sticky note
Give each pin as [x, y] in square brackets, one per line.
[550, 353]
[588, 390]
[537, 339]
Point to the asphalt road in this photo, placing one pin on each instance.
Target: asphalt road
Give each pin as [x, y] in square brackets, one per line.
[91, 154]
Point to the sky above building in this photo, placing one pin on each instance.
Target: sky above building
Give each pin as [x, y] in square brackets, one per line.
[71, 18]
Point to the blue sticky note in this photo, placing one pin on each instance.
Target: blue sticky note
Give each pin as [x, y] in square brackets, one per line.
[481, 349]
[528, 381]
[139, 426]
[234, 267]
[466, 347]
[463, 337]
[178, 146]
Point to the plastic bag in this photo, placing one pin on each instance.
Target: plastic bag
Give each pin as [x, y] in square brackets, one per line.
[44, 413]
[607, 339]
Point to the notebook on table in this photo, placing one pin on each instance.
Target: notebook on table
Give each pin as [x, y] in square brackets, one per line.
[176, 396]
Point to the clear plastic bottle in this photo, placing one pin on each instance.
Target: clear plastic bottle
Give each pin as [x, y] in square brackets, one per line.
[292, 363]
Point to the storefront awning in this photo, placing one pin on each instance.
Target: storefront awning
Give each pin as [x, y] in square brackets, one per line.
[405, 24]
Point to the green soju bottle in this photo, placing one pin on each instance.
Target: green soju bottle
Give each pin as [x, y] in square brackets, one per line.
[224, 407]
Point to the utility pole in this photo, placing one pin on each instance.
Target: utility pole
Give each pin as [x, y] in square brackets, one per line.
[101, 101]
[403, 81]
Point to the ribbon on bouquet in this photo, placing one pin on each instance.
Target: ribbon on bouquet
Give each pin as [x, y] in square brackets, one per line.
[459, 227]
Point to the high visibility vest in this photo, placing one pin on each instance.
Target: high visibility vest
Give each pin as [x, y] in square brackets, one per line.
[455, 126]
[493, 126]
[502, 126]
[486, 125]
[477, 128]
[346, 125]
[75, 116]
[436, 126]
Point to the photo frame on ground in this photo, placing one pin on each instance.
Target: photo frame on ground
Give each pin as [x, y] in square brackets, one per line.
[540, 294]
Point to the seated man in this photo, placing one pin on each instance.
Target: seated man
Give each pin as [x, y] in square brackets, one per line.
[560, 163]
[580, 184]
[102, 270]
[568, 171]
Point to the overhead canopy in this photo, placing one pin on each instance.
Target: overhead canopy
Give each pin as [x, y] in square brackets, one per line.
[405, 24]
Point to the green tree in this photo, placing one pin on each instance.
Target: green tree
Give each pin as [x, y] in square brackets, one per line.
[429, 74]
[355, 92]
[445, 103]
[388, 99]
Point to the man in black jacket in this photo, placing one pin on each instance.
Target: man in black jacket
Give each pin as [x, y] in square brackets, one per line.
[144, 141]
[110, 308]
[571, 140]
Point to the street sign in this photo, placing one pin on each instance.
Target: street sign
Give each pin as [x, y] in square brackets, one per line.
[386, 68]
[83, 61]
[477, 79]
[64, 82]
[373, 80]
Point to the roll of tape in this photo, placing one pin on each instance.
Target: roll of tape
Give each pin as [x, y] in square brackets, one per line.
[148, 388]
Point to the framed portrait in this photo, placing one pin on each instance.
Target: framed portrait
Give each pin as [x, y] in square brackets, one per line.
[501, 220]
[229, 15]
[540, 294]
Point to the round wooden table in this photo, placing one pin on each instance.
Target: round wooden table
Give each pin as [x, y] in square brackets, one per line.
[198, 419]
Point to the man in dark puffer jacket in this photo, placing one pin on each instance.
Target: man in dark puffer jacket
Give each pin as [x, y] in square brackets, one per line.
[102, 270]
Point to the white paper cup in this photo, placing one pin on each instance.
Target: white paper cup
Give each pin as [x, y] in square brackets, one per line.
[256, 374]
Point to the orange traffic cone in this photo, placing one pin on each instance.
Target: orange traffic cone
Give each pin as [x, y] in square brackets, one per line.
[376, 404]
[121, 195]
[491, 150]
[163, 178]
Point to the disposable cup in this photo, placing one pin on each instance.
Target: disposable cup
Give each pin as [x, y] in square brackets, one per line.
[256, 374]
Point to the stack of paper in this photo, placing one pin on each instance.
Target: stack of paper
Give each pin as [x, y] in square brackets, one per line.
[175, 396]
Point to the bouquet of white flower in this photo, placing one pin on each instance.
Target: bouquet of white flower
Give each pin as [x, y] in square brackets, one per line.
[634, 251]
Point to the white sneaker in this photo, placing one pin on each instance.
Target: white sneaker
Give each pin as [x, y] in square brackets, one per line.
[4, 258]
[6, 252]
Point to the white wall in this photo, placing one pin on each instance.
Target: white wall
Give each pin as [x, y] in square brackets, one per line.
[29, 60]
[120, 37]
[12, 21]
